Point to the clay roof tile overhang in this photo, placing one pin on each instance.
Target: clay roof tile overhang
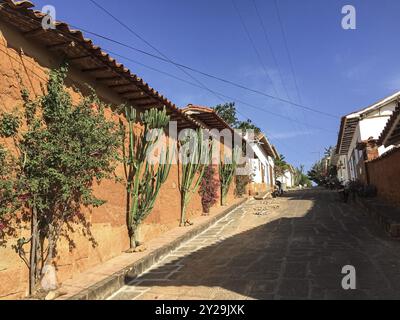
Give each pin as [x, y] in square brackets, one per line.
[391, 133]
[82, 54]
[207, 116]
[211, 120]
[268, 148]
[349, 123]
[276, 152]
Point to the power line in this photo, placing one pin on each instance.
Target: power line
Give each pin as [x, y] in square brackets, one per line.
[228, 97]
[289, 55]
[287, 49]
[182, 67]
[268, 42]
[254, 47]
[269, 135]
[219, 93]
[151, 46]
[207, 74]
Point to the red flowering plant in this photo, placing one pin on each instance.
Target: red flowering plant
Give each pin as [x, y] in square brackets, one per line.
[209, 189]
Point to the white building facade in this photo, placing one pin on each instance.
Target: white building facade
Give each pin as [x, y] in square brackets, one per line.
[358, 129]
[261, 165]
[287, 179]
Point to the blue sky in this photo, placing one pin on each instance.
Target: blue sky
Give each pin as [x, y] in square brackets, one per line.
[337, 70]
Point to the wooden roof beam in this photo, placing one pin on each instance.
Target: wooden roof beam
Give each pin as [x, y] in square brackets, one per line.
[59, 46]
[34, 32]
[105, 79]
[96, 69]
[132, 94]
[121, 85]
[146, 105]
[79, 57]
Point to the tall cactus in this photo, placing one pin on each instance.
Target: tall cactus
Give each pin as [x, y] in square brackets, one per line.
[193, 164]
[143, 179]
[227, 170]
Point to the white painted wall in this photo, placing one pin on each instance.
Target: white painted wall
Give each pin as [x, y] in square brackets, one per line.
[287, 179]
[260, 166]
[370, 126]
[271, 163]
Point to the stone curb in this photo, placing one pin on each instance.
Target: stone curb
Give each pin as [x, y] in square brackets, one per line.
[381, 213]
[108, 286]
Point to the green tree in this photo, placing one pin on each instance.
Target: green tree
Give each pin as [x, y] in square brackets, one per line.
[323, 171]
[62, 151]
[227, 112]
[280, 166]
[317, 174]
[301, 178]
[248, 125]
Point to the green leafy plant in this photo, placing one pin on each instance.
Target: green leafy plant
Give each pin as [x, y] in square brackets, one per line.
[280, 166]
[195, 155]
[9, 124]
[8, 198]
[227, 112]
[300, 178]
[143, 179]
[63, 150]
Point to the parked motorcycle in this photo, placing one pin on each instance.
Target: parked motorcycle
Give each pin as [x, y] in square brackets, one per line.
[278, 191]
[344, 191]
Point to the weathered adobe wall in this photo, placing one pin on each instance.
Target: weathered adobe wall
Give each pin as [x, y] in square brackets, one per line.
[25, 65]
[384, 173]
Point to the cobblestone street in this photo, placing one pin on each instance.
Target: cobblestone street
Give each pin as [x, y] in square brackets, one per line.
[294, 250]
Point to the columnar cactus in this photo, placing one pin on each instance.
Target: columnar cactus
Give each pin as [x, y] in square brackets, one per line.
[143, 179]
[227, 169]
[193, 164]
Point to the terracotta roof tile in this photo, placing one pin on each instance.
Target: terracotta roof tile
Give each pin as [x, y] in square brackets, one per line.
[393, 122]
[28, 20]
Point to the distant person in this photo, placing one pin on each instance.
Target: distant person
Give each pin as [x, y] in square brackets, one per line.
[279, 185]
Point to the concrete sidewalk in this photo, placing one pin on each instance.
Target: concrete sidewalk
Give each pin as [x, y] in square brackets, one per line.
[102, 280]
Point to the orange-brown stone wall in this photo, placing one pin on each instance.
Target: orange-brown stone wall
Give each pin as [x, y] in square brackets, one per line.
[25, 65]
[384, 174]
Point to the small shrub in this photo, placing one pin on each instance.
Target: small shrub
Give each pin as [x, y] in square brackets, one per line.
[209, 189]
[241, 184]
[9, 125]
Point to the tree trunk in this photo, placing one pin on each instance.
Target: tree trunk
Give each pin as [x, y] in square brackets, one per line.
[51, 245]
[33, 252]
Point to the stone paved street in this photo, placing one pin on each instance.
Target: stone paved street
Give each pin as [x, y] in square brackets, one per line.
[296, 251]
